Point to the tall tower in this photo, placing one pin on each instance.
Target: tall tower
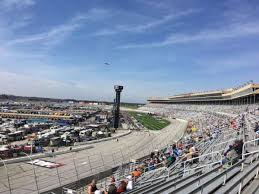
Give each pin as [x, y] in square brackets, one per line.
[116, 117]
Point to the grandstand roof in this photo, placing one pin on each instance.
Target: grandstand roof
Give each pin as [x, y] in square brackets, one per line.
[248, 89]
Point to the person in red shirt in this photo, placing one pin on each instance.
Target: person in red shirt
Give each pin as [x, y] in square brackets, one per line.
[122, 187]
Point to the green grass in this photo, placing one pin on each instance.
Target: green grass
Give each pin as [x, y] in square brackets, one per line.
[132, 106]
[149, 121]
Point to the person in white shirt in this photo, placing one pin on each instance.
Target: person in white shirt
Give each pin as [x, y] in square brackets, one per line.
[130, 183]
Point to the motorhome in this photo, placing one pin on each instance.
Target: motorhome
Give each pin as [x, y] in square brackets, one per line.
[86, 132]
[16, 136]
[3, 139]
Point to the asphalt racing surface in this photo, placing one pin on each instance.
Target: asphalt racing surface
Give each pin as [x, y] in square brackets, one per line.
[77, 165]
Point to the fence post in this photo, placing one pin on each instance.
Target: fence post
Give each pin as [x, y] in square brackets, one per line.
[34, 172]
[184, 168]
[153, 148]
[225, 179]
[123, 159]
[113, 160]
[54, 157]
[78, 181]
[102, 161]
[90, 164]
[7, 174]
[240, 187]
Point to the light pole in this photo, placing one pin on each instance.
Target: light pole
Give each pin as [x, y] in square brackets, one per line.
[118, 90]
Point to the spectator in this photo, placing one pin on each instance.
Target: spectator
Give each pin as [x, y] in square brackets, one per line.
[170, 160]
[112, 189]
[136, 173]
[257, 136]
[130, 183]
[92, 187]
[230, 156]
[98, 192]
[122, 187]
[238, 146]
[152, 155]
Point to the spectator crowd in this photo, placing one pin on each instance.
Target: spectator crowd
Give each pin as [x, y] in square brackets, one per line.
[205, 125]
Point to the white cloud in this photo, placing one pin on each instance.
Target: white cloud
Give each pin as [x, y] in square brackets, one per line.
[236, 30]
[146, 26]
[58, 34]
[53, 36]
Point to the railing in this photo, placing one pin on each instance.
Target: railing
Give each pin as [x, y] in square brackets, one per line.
[223, 174]
[202, 166]
[222, 143]
[151, 178]
[244, 153]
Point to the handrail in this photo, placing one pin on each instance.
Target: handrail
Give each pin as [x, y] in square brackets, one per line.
[181, 162]
[243, 148]
[230, 132]
[224, 142]
[198, 179]
[165, 186]
[229, 135]
[240, 179]
[152, 172]
[199, 167]
[154, 179]
[211, 153]
[224, 173]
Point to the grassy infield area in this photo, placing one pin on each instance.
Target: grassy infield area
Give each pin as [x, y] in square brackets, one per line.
[149, 121]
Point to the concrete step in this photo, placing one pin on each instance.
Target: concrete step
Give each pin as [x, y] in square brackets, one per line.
[253, 187]
[176, 182]
[213, 183]
[235, 181]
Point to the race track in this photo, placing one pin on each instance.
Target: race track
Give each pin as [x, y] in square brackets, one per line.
[84, 163]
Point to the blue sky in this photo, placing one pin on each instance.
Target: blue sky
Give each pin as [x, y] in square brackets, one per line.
[57, 48]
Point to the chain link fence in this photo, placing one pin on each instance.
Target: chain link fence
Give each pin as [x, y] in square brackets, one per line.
[81, 167]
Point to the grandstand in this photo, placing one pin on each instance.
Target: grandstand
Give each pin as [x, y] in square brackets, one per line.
[246, 94]
[223, 136]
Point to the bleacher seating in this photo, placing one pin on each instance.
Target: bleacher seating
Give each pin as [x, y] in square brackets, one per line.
[220, 128]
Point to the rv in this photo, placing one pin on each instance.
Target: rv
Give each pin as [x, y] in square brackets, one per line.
[3, 139]
[16, 136]
[86, 132]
